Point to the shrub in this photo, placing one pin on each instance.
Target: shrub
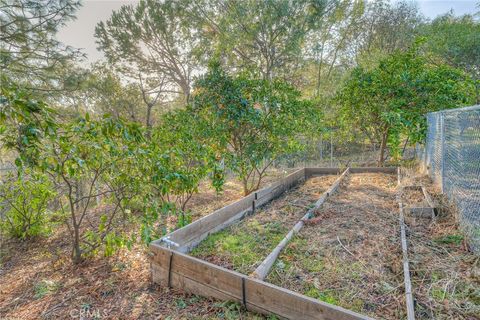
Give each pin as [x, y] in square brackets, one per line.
[23, 205]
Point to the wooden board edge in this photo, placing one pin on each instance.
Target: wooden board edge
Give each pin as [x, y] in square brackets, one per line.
[392, 170]
[259, 295]
[406, 268]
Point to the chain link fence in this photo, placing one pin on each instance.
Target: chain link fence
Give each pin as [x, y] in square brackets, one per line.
[452, 158]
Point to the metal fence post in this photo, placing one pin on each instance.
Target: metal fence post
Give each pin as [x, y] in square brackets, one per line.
[321, 148]
[331, 151]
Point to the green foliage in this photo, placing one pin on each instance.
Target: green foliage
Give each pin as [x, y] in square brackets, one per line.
[264, 37]
[153, 38]
[326, 297]
[456, 239]
[391, 99]
[29, 50]
[24, 201]
[24, 121]
[456, 41]
[91, 158]
[248, 121]
[45, 287]
[244, 245]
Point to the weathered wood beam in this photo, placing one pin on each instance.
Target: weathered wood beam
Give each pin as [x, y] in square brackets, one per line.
[196, 276]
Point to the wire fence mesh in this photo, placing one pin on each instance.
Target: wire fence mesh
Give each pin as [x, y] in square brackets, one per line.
[452, 158]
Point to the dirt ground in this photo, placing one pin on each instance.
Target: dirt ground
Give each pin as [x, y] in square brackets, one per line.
[445, 275]
[351, 255]
[38, 280]
[244, 245]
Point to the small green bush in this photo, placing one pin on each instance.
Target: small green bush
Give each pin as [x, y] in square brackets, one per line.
[23, 206]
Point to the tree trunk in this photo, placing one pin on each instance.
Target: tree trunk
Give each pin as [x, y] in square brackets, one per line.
[245, 187]
[77, 251]
[383, 147]
[148, 121]
[405, 146]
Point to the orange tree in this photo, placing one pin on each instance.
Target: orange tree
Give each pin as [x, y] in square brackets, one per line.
[249, 122]
[391, 100]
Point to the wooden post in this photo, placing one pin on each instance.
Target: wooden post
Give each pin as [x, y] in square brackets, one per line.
[406, 268]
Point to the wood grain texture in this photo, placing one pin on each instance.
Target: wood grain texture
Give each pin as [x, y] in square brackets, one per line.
[203, 278]
[406, 268]
[392, 170]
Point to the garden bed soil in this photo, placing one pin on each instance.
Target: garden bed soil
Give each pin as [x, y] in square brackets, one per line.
[244, 245]
[445, 275]
[349, 254]
[413, 197]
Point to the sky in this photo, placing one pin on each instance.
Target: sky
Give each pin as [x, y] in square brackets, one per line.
[79, 32]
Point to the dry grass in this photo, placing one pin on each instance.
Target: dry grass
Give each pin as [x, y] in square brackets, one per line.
[412, 196]
[351, 257]
[445, 275]
[244, 245]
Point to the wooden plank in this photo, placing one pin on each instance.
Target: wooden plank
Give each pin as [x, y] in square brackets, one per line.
[186, 238]
[264, 268]
[267, 194]
[292, 305]
[187, 247]
[264, 191]
[203, 278]
[335, 185]
[205, 225]
[374, 170]
[309, 172]
[406, 268]
[420, 211]
[428, 197]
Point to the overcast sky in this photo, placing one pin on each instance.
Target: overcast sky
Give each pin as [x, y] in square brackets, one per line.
[79, 33]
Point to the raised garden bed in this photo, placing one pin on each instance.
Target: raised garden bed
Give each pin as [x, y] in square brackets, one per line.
[171, 265]
[244, 245]
[349, 253]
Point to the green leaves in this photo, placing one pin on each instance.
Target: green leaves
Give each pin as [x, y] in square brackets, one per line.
[390, 100]
[24, 121]
[24, 199]
[249, 122]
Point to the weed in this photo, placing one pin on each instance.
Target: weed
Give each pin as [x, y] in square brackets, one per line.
[243, 245]
[323, 296]
[450, 239]
[181, 304]
[44, 288]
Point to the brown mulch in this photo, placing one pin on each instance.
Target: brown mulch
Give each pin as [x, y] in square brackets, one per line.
[413, 197]
[445, 275]
[266, 228]
[350, 255]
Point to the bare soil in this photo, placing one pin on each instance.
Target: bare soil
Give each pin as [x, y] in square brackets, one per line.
[244, 245]
[351, 255]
